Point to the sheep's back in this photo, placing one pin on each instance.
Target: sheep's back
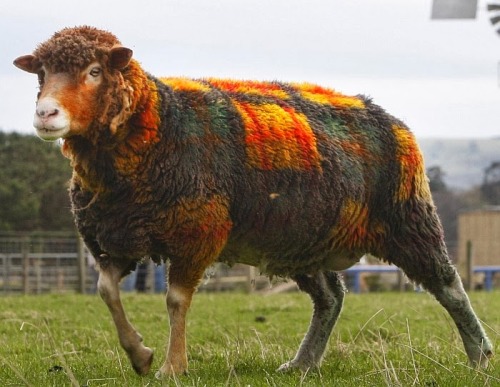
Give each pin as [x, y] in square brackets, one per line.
[304, 167]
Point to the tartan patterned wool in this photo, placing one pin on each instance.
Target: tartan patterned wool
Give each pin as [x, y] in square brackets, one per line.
[278, 134]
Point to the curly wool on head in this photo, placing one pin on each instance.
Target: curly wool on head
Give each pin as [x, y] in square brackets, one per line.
[72, 49]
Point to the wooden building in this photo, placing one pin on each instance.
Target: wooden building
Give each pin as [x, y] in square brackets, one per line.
[482, 229]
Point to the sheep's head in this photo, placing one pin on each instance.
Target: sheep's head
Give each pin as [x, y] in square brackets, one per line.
[81, 83]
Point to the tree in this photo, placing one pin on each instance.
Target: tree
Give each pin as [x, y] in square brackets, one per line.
[33, 185]
[447, 204]
[490, 189]
[16, 213]
[436, 179]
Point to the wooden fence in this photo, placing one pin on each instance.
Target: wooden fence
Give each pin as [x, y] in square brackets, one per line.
[42, 263]
[54, 263]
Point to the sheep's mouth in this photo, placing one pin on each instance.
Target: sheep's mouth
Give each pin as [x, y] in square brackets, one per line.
[51, 134]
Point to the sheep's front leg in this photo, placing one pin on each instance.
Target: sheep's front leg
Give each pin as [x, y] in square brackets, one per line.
[183, 277]
[327, 293]
[131, 341]
[202, 226]
[178, 302]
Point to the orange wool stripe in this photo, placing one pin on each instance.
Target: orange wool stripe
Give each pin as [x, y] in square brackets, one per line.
[148, 121]
[305, 139]
[278, 137]
[185, 84]
[249, 87]
[145, 133]
[354, 229]
[412, 180]
[327, 96]
[352, 226]
[201, 224]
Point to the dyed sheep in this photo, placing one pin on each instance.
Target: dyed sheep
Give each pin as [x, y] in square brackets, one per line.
[295, 179]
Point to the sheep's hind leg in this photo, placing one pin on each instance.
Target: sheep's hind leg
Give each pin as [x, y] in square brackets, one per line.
[110, 274]
[327, 293]
[454, 299]
[424, 259]
[444, 283]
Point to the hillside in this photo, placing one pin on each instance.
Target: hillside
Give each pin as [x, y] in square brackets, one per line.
[462, 160]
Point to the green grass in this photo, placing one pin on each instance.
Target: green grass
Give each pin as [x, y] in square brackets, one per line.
[386, 339]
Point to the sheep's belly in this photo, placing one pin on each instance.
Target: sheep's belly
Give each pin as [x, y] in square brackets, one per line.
[285, 264]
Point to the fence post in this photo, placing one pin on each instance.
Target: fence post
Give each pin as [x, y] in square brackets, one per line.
[469, 264]
[251, 284]
[82, 265]
[37, 263]
[7, 274]
[401, 281]
[150, 277]
[26, 266]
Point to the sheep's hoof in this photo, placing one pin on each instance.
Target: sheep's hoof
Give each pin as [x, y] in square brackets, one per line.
[291, 365]
[484, 359]
[141, 361]
[171, 369]
[287, 367]
[161, 374]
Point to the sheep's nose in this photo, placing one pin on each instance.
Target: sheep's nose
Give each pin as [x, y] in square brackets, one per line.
[47, 108]
[46, 113]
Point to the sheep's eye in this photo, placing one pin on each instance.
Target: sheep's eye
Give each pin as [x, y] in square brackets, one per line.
[95, 71]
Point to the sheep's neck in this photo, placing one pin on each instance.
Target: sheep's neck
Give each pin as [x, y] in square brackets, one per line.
[89, 164]
[96, 163]
[142, 129]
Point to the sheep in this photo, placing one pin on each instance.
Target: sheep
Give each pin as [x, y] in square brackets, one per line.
[293, 178]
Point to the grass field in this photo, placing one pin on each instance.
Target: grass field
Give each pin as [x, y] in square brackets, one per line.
[385, 339]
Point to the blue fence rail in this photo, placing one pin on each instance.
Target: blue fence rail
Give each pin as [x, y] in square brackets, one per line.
[489, 275]
[357, 270]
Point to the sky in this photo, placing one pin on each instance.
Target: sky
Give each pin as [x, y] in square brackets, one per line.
[440, 77]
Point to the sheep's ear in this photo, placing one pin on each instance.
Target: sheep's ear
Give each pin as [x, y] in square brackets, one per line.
[28, 63]
[119, 57]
